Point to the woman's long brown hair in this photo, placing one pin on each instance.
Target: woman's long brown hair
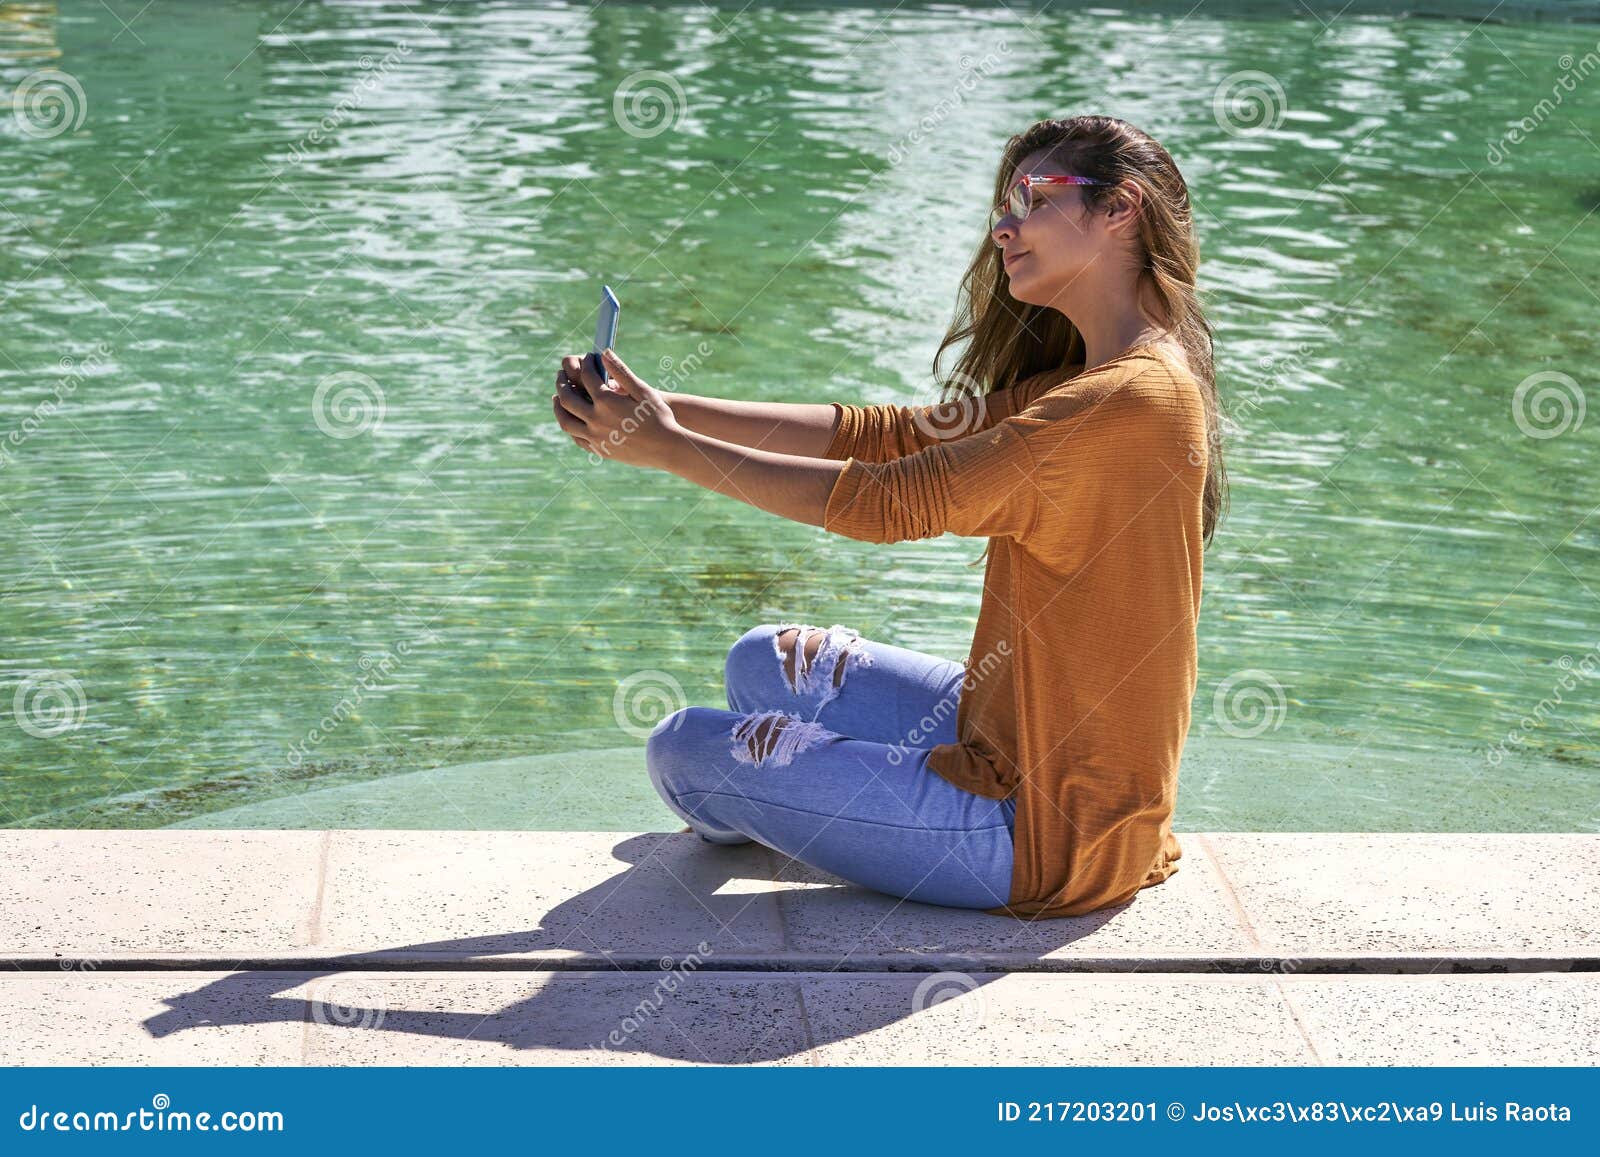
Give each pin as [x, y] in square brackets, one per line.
[1009, 340]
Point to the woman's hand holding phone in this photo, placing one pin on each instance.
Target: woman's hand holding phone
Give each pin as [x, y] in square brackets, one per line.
[580, 375]
[620, 417]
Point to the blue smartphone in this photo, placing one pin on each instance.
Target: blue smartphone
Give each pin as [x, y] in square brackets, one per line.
[605, 329]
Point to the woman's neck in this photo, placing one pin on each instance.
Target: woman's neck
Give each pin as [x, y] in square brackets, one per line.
[1110, 320]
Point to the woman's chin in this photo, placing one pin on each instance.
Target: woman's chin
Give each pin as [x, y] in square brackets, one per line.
[1018, 288]
[1031, 289]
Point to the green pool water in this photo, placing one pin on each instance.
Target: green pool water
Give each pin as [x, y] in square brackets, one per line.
[218, 541]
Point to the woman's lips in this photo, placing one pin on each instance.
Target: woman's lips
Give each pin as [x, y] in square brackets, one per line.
[1010, 257]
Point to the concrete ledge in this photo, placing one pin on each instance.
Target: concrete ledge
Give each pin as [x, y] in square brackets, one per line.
[574, 900]
[411, 947]
[802, 1018]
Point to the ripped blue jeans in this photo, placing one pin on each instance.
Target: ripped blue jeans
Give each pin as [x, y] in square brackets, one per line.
[825, 761]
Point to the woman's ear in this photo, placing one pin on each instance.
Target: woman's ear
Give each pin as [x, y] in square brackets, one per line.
[1122, 207]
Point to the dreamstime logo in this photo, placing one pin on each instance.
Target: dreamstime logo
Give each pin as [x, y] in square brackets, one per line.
[1573, 674]
[955, 417]
[651, 1005]
[1248, 703]
[1548, 404]
[916, 739]
[1278, 372]
[373, 75]
[644, 699]
[73, 373]
[943, 986]
[647, 104]
[49, 703]
[1572, 71]
[971, 74]
[1248, 102]
[155, 1119]
[675, 371]
[341, 1015]
[347, 404]
[376, 668]
[48, 103]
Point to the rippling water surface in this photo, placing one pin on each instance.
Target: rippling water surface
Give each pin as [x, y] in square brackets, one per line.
[205, 558]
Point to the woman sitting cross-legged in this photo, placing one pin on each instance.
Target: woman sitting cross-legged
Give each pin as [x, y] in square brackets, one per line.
[1037, 779]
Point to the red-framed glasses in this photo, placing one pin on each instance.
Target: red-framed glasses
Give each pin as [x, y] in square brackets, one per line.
[1020, 200]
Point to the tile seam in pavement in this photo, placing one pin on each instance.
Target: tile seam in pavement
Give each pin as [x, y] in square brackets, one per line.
[781, 909]
[1228, 890]
[324, 847]
[1230, 964]
[318, 896]
[1294, 1015]
[1378, 933]
[305, 1033]
[805, 1021]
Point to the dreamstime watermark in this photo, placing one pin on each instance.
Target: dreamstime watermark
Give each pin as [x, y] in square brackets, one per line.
[648, 103]
[48, 704]
[1572, 71]
[940, 987]
[1249, 703]
[48, 103]
[956, 416]
[675, 372]
[642, 1013]
[917, 736]
[1575, 673]
[1251, 396]
[644, 699]
[160, 1117]
[347, 404]
[72, 376]
[1248, 102]
[1279, 964]
[971, 75]
[376, 672]
[330, 1009]
[373, 76]
[1548, 404]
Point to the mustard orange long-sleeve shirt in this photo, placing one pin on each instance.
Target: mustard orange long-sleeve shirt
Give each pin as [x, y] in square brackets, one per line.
[1077, 697]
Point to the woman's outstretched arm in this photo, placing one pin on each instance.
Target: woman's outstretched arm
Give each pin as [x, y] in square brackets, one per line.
[628, 420]
[981, 485]
[879, 432]
[801, 428]
[793, 486]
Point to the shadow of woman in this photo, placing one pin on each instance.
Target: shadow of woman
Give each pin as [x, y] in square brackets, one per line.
[722, 955]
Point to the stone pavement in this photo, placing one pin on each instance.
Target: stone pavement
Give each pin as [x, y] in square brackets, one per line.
[561, 948]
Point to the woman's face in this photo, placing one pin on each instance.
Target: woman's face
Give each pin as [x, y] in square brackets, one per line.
[1056, 244]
